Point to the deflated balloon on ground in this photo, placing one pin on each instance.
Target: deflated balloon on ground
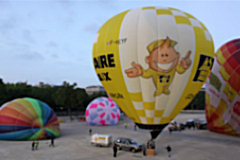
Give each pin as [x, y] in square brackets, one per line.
[27, 119]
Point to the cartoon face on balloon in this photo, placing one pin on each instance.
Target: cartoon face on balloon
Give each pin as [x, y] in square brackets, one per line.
[163, 63]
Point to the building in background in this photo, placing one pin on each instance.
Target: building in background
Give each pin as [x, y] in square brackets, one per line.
[95, 89]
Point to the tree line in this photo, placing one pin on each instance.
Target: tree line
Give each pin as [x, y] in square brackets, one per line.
[66, 98]
[198, 102]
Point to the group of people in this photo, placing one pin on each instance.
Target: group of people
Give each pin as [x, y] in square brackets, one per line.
[35, 144]
[151, 145]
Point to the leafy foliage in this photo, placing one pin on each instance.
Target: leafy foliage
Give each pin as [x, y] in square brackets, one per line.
[198, 102]
[64, 98]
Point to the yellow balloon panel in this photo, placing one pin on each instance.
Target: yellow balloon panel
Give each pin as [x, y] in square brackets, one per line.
[153, 61]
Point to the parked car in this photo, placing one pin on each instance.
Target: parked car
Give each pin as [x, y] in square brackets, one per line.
[174, 126]
[200, 123]
[127, 144]
[196, 123]
[190, 124]
[181, 126]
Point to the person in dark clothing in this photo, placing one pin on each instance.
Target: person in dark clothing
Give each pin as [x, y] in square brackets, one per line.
[169, 149]
[144, 149]
[33, 145]
[151, 144]
[114, 150]
[90, 131]
[52, 142]
[135, 127]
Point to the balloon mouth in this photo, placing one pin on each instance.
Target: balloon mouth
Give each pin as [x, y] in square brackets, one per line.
[156, 129]
[152, 126]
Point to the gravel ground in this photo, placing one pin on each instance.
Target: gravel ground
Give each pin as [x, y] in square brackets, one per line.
[74, 144]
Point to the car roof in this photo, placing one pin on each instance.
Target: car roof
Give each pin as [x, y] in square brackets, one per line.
[124, 138]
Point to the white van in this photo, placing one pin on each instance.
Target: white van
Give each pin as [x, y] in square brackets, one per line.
[101, 140]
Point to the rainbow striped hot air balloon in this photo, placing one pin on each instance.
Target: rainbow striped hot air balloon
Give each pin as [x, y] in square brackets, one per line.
[27, 119]
[223, 90]
[102, 111]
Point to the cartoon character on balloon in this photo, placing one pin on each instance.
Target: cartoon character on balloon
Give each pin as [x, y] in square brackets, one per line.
[163, 63]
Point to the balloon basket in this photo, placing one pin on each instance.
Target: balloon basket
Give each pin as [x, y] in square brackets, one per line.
[150, 152]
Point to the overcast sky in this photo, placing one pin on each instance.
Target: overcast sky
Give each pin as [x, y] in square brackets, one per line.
[51, 41]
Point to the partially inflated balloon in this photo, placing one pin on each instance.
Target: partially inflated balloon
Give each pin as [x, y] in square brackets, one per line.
[153, 61]
[102, 111]
[27, 119]
[223, 89]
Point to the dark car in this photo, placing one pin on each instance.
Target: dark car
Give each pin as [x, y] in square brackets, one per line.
[182, 126]
[174, 126]
[200, 123]
[190, 124]
[127, 144]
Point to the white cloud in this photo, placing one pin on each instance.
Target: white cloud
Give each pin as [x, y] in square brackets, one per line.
[91, 27]
[30, 55]
[52, 44]
[28, 36]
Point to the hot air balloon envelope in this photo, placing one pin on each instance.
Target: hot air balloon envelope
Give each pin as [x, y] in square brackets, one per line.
[27, 119]
[102, 111]
[222, 90]
[152, 61]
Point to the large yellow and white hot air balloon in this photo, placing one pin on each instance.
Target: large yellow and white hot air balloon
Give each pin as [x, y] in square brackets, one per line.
[153, 61]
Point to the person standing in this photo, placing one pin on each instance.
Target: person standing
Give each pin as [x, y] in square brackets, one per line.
[169, 149]
[114, 150]
[52, 142]
[33, 145]
[36, 145]
[90, 131]
[125, 124]
[144, 149]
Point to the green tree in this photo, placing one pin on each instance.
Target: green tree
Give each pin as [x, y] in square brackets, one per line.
[18, 90]
[65, 97]
[45, 94]
[198, 102]
[2, 92]
[81, 99]
[96, 95]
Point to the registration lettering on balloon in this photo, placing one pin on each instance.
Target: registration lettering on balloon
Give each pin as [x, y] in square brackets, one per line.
[163, 63]
[119, 41]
